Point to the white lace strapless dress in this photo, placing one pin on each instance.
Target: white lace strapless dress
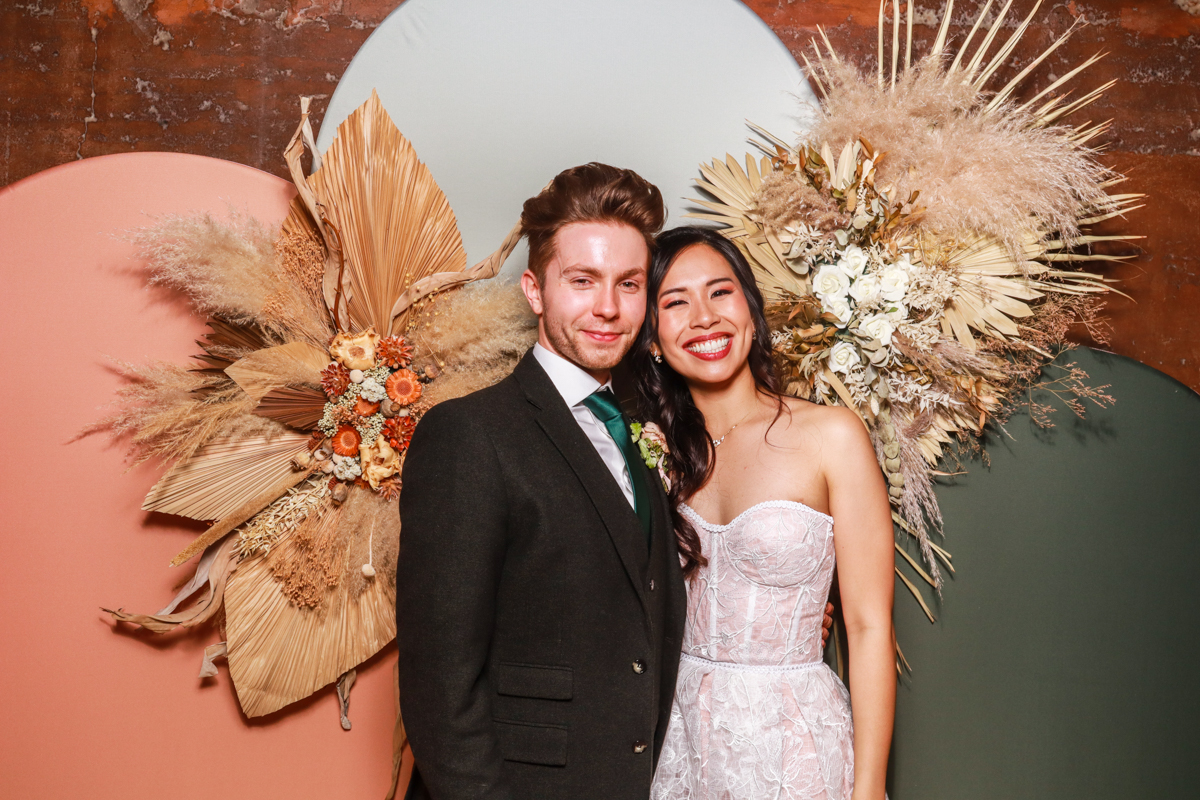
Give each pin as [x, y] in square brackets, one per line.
[757, 713]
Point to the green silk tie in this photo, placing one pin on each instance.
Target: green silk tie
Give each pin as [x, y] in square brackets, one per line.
[604, 405]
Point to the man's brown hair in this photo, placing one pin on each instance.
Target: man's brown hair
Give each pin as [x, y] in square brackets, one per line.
[589, 193]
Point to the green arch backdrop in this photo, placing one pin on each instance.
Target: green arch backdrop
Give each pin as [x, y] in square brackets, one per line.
[1064, 660]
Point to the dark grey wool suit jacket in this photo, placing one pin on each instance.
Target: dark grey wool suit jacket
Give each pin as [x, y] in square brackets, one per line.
[539, 634]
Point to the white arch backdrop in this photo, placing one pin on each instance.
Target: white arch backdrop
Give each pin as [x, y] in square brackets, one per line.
[498, 97]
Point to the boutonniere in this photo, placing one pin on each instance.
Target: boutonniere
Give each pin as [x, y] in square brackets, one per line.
[652, 444]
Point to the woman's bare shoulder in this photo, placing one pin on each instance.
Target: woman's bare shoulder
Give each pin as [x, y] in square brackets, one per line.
[836, 422]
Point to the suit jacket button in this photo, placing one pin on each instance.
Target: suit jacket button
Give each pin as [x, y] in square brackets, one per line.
[639, 747]
[639, 666]
[652, 584]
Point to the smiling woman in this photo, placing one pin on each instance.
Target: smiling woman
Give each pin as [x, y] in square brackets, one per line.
[757, 713]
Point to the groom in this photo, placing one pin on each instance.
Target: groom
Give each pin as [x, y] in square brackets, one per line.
[540, 604]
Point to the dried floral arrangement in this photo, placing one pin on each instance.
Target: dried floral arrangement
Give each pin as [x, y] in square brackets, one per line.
[924, 276]
[329, 339]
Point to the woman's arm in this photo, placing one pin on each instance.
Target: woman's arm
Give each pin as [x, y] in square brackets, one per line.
[863, 546]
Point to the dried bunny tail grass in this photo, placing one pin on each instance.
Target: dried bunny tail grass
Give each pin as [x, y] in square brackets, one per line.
[162, 410]
[376, 541]
[232, 270]
[475, 336]
[997, 172]
[786, 199]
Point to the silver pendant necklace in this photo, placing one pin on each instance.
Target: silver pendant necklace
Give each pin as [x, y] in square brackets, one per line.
[717, 442]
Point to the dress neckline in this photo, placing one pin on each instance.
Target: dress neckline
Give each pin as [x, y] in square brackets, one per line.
[764, 504]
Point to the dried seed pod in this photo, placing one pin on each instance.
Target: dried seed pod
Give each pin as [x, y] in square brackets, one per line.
[339, 494]
[302, 461]
[891, 450]
[892, 464]
[895, 492]
[896, 480]
[389, 408]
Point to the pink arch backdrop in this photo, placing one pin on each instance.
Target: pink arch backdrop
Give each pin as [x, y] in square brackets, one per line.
[92, 709]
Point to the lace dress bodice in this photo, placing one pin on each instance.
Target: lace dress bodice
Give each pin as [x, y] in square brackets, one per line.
[757, 713]
[762, 597]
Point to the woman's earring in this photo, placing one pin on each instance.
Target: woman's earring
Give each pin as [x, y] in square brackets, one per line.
[657, 356]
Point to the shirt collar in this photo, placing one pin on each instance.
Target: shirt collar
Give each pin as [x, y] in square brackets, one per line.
[571, 381]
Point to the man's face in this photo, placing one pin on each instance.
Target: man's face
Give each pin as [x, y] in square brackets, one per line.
[593, 300]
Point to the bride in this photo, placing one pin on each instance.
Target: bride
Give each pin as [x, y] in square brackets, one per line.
[769, 492]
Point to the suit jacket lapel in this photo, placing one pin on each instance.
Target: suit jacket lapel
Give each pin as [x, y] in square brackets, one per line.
[660, 518]
[619, 518]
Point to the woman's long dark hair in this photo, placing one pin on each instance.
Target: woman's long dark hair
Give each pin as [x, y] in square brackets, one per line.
[663, 395]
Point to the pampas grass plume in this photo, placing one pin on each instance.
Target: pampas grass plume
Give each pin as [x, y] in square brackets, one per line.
[997, 172]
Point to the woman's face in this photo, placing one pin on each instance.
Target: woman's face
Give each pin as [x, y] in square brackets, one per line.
[704, 323]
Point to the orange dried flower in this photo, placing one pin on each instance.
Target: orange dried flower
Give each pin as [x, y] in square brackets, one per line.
[403, 387]
[394, 351]
[335, 379]
[346, 441]
[365, 408]
[398, 431]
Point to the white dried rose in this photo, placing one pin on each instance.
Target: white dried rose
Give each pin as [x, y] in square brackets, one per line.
[838, 307]
[843, 356]
[893, 283]
[865, 288]
[879, 327]
[897, 312]
[853, 261]
[830, 282]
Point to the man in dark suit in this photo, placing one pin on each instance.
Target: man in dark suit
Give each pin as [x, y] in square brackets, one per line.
[540, 604]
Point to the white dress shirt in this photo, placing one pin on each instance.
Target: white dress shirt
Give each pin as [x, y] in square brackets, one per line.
[574, 384]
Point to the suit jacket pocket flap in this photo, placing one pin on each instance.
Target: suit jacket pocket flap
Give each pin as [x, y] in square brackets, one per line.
[531, 743]
[530, 680]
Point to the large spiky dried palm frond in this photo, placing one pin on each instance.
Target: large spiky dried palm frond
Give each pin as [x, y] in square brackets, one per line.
[385, 221]
[224, 473]
[291, 364]
[280, 650]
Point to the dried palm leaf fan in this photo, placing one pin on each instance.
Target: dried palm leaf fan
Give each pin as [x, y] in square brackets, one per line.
[329, 341]
[924, 276]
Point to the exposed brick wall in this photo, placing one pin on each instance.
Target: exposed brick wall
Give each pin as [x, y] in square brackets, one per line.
[220, 78]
